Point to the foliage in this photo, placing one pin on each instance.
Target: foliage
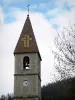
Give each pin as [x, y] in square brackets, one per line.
[6, 97]
[61, 90]
[65, 52]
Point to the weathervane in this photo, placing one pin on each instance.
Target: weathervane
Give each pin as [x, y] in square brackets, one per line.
[28, 8]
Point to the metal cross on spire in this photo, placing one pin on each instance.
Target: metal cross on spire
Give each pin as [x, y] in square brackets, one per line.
[28, 8]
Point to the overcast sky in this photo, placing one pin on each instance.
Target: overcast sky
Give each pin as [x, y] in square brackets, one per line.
[46, 17]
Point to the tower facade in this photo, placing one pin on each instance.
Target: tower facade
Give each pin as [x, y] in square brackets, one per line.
[27, 75]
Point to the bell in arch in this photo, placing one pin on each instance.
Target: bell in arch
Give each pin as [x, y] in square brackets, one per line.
[26, 62]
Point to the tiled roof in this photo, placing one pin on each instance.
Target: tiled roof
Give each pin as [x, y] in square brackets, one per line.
[27, 42]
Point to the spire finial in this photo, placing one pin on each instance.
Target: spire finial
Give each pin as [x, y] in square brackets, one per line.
[28, 9]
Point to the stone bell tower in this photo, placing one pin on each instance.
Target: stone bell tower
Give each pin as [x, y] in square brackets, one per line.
[27, 78]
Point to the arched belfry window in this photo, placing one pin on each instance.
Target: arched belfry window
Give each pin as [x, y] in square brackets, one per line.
[26, 62]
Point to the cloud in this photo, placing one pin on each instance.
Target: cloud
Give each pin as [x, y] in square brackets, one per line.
[60, 10]
[10, 1]
[1, 49]
[63, 21]
[71, 2]
[56, 12]
[48, 5]
[6, 3]
[1, 17]
[11, 31]
[44, 6]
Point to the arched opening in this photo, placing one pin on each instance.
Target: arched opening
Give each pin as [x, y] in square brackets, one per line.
[26, 62]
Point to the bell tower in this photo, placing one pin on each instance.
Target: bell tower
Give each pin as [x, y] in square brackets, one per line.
[27, 75]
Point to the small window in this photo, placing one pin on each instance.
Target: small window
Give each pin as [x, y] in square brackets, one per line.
[26, 62]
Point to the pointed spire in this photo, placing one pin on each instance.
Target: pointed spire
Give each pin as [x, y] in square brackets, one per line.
[27, 42]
